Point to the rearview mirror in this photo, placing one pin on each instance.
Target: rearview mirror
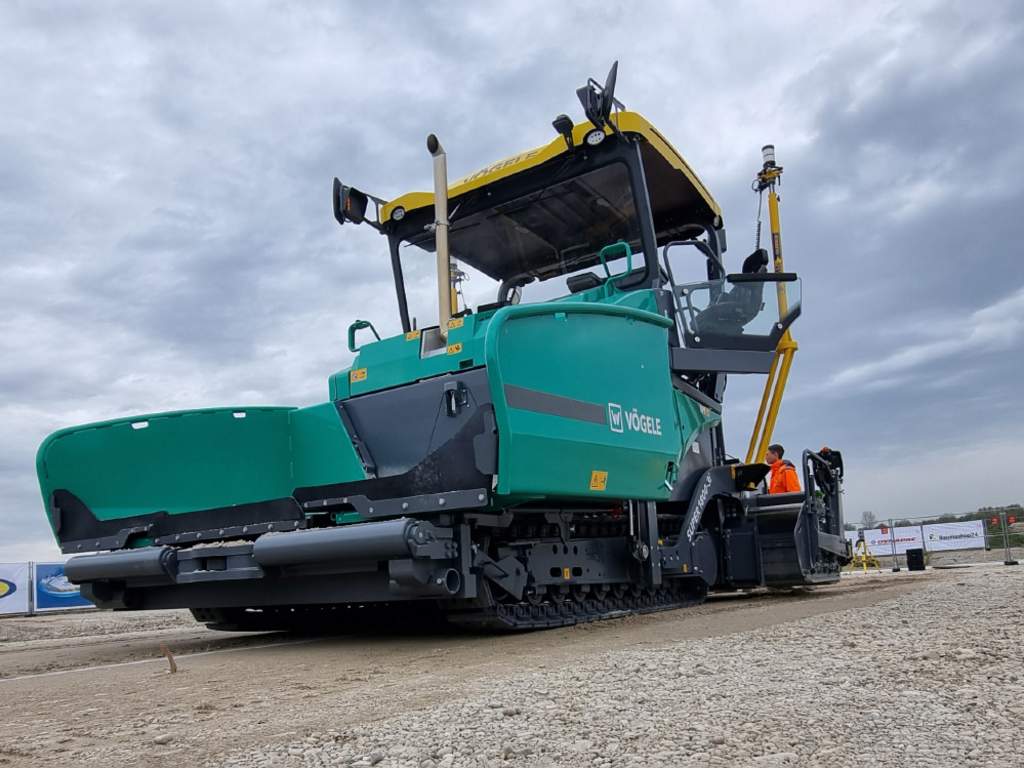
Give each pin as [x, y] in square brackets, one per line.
[349, 203]
[597, 101]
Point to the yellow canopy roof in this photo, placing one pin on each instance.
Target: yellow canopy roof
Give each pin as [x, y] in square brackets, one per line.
[628, 122]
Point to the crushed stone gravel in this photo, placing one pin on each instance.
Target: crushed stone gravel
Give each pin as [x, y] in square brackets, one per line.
[89, 623]
[933, 677]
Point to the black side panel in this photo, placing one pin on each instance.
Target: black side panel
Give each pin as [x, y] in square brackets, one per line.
[741, 557]
[456, 465]
[694, 463]
[402, 426]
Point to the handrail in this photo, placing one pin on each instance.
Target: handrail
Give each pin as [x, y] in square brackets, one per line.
[831, 496]
[807, 458]
[701, 246]
[620, 245]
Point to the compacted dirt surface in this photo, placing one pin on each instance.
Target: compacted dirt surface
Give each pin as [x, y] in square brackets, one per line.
[882, 669]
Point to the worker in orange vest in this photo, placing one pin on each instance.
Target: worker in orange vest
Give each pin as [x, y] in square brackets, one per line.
[783, 477]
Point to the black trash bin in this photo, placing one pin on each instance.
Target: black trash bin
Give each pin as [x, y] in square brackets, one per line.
[915, 559]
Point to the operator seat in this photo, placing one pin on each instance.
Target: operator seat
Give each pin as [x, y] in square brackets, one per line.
[756, 262]
[733, 309]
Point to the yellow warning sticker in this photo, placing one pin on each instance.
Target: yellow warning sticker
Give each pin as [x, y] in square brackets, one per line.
[356, 375]
[455, 322]
[566, 573]
[598, 480]
[412, 335]
[454, 349]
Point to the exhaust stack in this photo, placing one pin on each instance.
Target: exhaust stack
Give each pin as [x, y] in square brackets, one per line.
[444, 275]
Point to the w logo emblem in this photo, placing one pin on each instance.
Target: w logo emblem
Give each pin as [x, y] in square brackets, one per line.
[615, 417]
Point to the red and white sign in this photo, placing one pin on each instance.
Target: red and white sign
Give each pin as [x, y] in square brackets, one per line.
[881, 540]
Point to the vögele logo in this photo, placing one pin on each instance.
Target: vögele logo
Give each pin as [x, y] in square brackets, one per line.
[619, 419]
[615, 417]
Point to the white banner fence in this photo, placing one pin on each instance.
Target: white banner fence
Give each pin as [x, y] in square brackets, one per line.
[15, 588]
[944, 536]
[931, 537]
[30, 588]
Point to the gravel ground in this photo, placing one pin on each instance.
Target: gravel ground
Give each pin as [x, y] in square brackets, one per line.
[930, 678]
[89, 623]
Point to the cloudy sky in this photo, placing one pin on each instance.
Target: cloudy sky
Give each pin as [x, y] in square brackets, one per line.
[166, 239]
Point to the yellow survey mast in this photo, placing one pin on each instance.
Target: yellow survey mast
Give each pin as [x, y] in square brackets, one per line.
[775, 386]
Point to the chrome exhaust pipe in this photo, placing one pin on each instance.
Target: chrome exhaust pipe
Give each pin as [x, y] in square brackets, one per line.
[444, 270]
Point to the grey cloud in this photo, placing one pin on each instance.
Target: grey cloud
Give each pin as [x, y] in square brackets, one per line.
[995, 328]
[904, 233]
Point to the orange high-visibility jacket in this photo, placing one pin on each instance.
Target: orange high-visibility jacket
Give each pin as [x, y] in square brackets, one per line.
[783, 478]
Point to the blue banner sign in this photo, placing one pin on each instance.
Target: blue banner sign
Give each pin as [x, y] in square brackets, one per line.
[54, 591]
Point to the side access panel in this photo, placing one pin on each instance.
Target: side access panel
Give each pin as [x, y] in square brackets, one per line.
[583, 401]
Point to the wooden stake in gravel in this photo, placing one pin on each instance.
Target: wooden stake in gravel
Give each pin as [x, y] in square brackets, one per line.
[170, 657]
